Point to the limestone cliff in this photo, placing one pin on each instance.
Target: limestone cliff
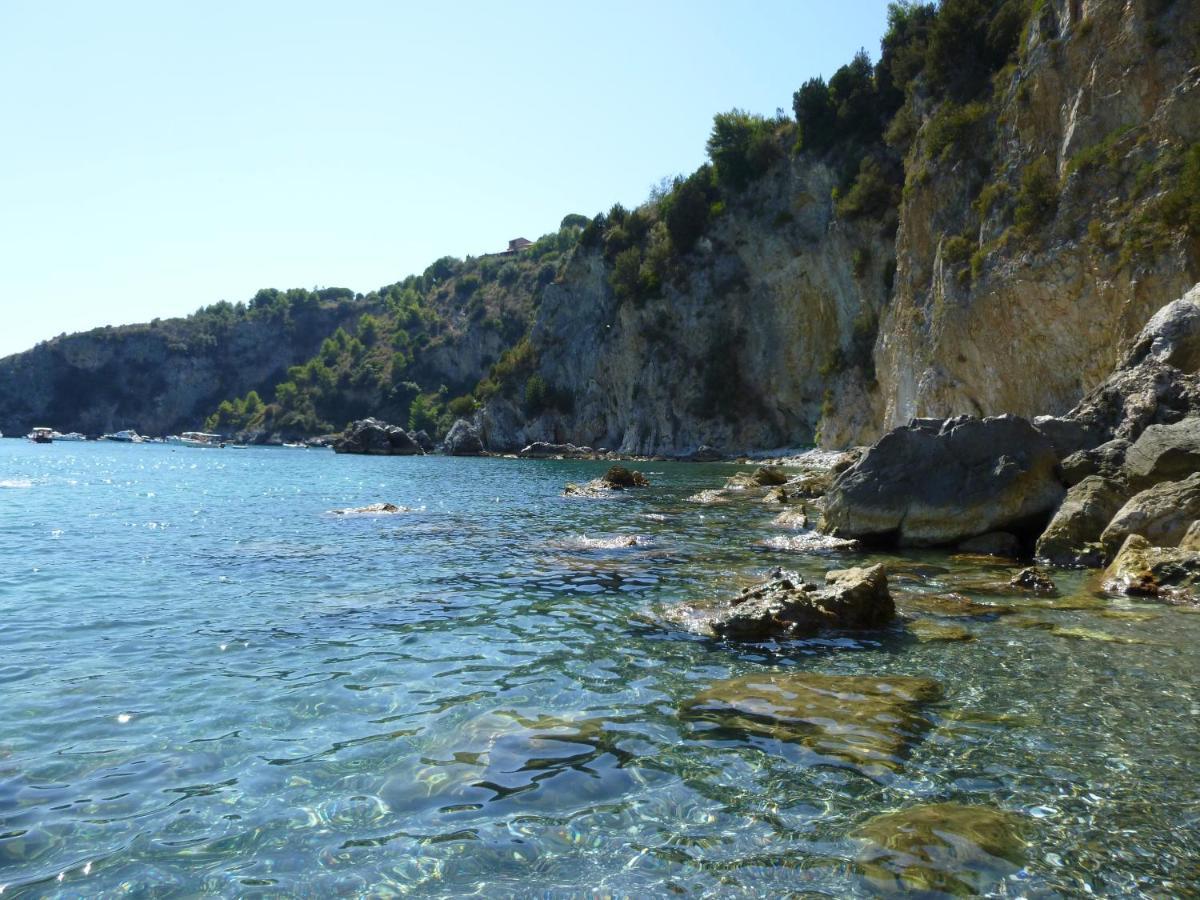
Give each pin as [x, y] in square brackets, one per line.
[777, 305]
[1033, 242]
[1109, 96]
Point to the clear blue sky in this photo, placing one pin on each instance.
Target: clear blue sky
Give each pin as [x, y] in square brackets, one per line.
[161, 156]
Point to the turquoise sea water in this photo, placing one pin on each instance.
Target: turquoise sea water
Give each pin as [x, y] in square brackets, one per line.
[209, 684]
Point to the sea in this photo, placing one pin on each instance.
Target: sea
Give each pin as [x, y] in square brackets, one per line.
[215, 682]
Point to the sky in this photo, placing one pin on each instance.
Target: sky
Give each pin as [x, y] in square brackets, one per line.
[158, 157]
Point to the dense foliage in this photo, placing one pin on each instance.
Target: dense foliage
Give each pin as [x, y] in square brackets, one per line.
[400, 362]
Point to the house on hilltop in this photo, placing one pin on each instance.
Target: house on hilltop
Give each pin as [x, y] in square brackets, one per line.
[516, 245]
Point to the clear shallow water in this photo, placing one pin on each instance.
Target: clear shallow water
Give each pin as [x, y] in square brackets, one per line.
[208, 683]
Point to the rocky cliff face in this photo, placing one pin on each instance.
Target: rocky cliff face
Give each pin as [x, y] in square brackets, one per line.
[1108, 96]
[776, 314]
[161, 377]
[1032, 245]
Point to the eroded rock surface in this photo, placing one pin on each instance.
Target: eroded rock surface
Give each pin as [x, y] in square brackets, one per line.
[787, 607]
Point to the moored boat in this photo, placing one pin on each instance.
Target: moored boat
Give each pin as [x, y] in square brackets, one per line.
[69, 436]
[42, 435]
[197, 439]
[124, 436]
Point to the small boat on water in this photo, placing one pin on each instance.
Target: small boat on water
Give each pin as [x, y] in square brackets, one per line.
[69, 436]
[295, 446]
[42, 435]
[124, 436]
[197, 439]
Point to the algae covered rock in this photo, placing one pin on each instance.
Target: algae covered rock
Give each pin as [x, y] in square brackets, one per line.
[868, 721]
[933, 483]
[929, 631]
[1036, 580]
[787, 607]
[615, 480]
[764, 476]
[947, 848]
[1140, 569]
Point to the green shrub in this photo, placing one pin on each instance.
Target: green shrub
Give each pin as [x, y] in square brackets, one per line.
[871, 194]
[742, 147]
[1181, 205]
[1037, 200]
[466, 286]
[990, 197]
[953, 129]
[957, 250]
[686, 208]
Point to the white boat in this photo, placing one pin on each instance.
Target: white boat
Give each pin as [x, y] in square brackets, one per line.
[69, 436]
[41, 435]
[295, 446]
[197, 439]
[125, 436]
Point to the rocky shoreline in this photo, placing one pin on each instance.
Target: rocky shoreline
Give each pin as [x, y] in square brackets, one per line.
[1113, 484]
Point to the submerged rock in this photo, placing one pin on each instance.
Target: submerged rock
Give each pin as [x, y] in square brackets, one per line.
[927, 631]
[935, 483]
[463, 440]
[947, 848]
[376, 438]
[868, 721]
[1142, 570]
[952, 606]
[786, 607]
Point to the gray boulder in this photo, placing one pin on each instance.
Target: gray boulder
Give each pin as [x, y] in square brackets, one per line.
[1107, 460]
[376, 438]
[1164, 453]
[934, 483]
[786, 607]
[463, 440]
[1071, 538]
[424, 441]
[1162, 514]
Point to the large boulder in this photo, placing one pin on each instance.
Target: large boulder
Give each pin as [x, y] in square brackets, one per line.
[787, 607]
[1164, 453]
[1141, 570]
[376, 438]
[931, 483]
[1071, 538]
[424, 441]
[1162, 514]
[463, 440]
